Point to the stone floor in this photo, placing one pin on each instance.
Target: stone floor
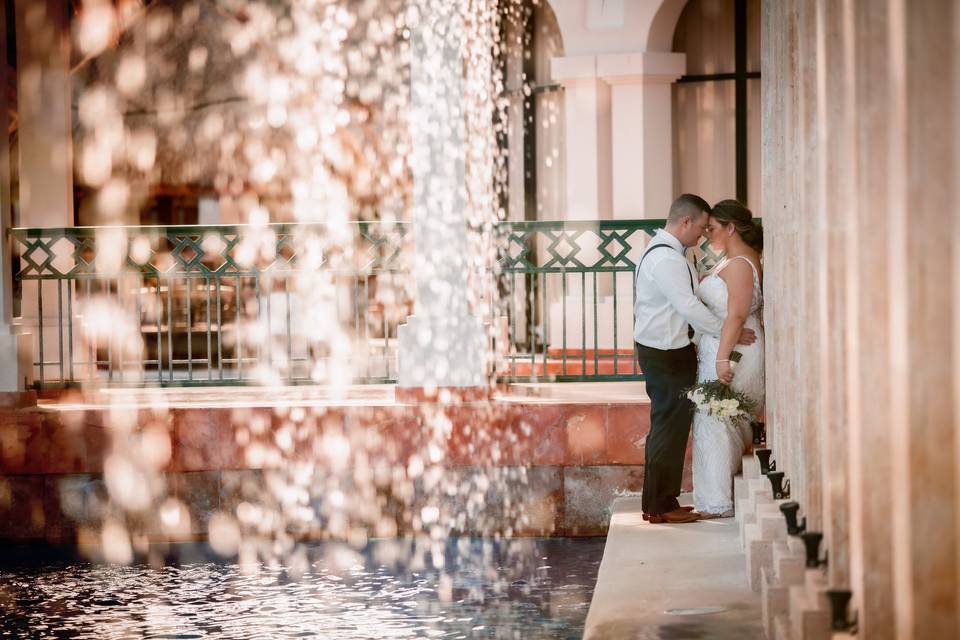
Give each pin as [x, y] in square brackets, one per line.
[672, 581]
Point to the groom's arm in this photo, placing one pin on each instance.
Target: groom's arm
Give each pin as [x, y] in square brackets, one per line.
[674, 284]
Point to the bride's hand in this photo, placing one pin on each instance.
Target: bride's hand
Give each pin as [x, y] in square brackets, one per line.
[724, 372]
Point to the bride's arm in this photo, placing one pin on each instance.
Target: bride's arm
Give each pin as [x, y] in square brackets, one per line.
[739, 279]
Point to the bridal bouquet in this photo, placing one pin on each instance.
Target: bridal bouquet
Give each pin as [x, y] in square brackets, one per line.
[718, 399]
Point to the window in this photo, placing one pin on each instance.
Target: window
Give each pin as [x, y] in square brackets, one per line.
[716, 106]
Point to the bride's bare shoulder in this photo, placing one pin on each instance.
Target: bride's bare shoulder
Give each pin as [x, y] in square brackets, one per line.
[735, 272]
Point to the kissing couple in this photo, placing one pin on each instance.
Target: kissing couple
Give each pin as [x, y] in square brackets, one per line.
[685, 329]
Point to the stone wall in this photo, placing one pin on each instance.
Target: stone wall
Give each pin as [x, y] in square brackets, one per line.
[535, 467]
[862, 274]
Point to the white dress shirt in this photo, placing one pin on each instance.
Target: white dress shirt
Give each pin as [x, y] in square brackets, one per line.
[666, 305]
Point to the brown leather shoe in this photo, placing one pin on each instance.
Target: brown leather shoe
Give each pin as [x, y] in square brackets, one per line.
[687, 508]
[677, 516]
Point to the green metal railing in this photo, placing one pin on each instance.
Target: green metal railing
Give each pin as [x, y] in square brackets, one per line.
[213, 304]
[225, 304]
[567, 288]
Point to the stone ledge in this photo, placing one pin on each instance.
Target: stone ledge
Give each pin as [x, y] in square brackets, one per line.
[77, 439]
[653, 575]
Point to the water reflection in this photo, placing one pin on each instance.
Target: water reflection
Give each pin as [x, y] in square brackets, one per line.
[520, 588]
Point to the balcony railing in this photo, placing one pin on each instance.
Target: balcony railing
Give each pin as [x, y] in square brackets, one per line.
[226, 305]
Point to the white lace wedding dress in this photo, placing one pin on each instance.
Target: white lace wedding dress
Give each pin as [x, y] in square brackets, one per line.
[717, 447]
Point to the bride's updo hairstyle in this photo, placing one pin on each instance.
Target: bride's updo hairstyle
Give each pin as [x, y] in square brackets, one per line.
[733, 212]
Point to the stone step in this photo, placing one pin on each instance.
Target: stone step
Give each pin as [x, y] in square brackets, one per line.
[739, 492]
[751, 467]
[748, 517]
[788, 563]
[774, 600]
[781, 629]
[772, 524]
[759, 555]
[809, 615]
[758, 493]
[760, 537]
[758, 490]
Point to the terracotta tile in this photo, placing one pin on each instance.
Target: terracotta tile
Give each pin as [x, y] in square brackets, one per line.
[627, 428]
[401, 433]
[463, 446]
[483, 434]
[589, 492]
[97, 441]
[13, 446]
[543, 432]
[202, 439]
[52, 447]
[192, 433]
[69, 446]
[586, 434]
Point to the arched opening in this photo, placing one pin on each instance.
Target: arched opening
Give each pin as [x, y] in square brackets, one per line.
[716, 105]
[534, 137]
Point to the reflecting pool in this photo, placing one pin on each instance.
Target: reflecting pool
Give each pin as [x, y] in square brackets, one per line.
[464, 588]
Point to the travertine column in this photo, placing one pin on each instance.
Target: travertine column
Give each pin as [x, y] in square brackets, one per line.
[15, 352]
[863, 276]
[922, 372]
[809, 453]
[871, 534]
[772, 81]
[44, 120]
[834, 213]
[45, 142]
[587, 135]
[641, 130]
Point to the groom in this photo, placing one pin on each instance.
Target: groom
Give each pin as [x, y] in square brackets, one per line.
[666, 312]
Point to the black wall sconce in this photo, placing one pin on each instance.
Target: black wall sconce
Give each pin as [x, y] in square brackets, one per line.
[759, 433]
[780, 487]
[763, 455]
[811, 542]
[839, 617]
[789, 511]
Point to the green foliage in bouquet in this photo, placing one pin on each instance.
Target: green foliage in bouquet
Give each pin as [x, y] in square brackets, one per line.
[718, 399]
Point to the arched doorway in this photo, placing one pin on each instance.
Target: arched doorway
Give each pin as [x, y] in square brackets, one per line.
[716, 105]
[534, 137]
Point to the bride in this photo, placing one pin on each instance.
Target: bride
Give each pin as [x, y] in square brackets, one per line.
[732, 291]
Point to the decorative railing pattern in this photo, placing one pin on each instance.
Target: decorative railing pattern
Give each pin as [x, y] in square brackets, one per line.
[213, 304]
[231, 304]
[567, 288]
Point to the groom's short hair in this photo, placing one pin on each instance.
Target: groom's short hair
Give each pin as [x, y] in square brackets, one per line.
[687, 206]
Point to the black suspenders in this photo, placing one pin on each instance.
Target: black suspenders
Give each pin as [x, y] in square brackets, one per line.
[690, 331]
[647, 252]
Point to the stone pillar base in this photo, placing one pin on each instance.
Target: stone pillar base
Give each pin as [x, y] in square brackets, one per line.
[794, 603]
[809, 616]
[436, 352]
[16, 352]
